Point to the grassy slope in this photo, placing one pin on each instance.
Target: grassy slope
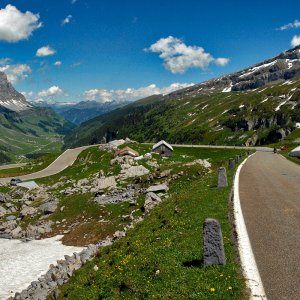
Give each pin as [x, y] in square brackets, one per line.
[31, 134]
[168, 240]
[202, 119]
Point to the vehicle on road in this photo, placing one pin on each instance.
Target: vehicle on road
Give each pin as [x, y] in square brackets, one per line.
[15, 181]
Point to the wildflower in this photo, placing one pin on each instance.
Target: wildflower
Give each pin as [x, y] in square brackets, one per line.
[212, 290]
[96, 268]
[230, 288]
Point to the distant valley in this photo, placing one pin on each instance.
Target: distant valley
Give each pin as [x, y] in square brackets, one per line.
[27, 131]
[83, 111]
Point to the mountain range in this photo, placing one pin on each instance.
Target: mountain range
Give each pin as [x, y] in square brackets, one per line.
[257, 105]
[26, 130]
[83, 111]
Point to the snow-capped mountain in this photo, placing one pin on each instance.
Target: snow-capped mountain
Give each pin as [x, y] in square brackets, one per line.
[10, 99]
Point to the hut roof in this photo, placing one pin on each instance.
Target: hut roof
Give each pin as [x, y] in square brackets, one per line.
[295, 152]
[127, 151]
[162, 143]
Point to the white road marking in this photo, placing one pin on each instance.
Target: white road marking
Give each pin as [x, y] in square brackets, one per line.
[250, 270]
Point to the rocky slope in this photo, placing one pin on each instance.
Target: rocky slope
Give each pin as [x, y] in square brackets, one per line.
[258, 105]
[10, 99]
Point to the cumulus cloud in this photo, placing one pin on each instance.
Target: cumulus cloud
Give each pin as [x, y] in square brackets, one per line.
[51, 92]
[16, 72]
[221, 61]
[45, 51]
[295, 24]
[295, 41]
[66, 20]
[179, 57]
[131, 94]
[57, 63]
[15, 25]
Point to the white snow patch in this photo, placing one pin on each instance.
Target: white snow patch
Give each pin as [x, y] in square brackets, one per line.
[228, 89]
[250, 71]
[282, 103]
[24, 262]
[264, 100]
[288, 82]
[225, 111]
[241, 106]
[262, 90]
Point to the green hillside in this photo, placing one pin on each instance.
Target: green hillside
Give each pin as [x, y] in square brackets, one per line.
[31, 133]
[252, 117]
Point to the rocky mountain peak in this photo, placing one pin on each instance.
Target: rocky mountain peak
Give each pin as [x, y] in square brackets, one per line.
[10, 99]
[283, 67]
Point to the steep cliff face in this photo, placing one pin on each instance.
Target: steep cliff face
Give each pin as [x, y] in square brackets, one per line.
[10, 99]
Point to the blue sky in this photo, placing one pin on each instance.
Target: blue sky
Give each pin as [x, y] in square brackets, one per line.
[121, 50]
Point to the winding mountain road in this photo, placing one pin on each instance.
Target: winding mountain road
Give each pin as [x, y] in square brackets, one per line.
[65, 160]
[270, 199]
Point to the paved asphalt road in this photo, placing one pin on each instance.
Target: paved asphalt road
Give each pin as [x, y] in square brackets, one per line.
[270, 199]
[62, 162]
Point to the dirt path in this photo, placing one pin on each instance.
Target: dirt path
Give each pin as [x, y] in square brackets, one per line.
[62, 162]
[270, 200]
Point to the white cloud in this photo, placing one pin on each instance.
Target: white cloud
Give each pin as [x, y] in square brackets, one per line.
[57, 63]
[45, 51]
[178, 57]
[295, 24]
[66, 20]
[73, 1]
[131, 94]
[4, 61]
[222, 61]
[15, 25]
[52, 91]
[76, 64]
[28, 95]
[295, 41]
[17, 72]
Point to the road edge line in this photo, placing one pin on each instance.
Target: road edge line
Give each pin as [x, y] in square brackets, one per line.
[248, 263]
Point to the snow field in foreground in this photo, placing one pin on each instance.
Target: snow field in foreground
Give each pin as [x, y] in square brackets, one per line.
[24, 262]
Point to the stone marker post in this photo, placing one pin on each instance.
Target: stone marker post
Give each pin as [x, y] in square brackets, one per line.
[213, 247]
[230, 164]
[222, 178]
[237, 159]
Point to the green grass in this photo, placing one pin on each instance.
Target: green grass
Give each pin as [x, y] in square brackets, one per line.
[168, 240]
[88, 163]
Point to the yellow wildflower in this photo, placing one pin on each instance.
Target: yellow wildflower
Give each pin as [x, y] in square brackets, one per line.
[212, 290]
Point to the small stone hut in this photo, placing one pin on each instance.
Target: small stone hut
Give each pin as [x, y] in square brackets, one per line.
[163, 148]
[127, 151]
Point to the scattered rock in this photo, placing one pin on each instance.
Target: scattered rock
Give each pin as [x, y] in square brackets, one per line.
[158, 188]
[151, 200]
